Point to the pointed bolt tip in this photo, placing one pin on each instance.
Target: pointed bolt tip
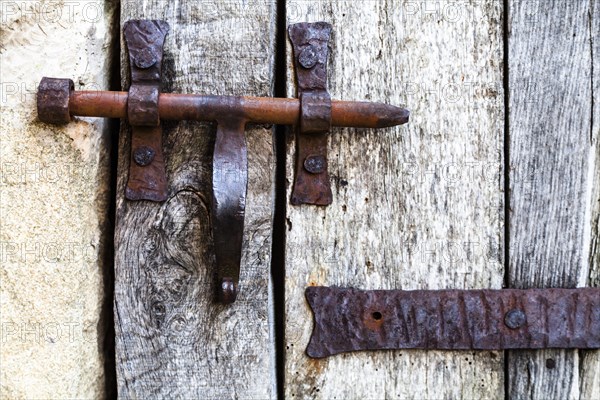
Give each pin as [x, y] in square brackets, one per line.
[403, 116]
[395, 116]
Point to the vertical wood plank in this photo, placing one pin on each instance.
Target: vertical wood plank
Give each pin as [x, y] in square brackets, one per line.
[414, 207]
[173, 340]
[590, 372]
[589, 380]
[595, 198]
[553, 149]
[54, 204]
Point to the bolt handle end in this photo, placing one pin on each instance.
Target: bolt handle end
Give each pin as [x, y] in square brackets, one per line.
[228, 291]
[53, 100]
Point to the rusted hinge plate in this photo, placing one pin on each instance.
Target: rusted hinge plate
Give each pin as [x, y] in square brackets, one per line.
[352, 319]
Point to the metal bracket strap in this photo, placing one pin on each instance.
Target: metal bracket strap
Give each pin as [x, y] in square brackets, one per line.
[351, 319]
[309, 42]
[147, 176]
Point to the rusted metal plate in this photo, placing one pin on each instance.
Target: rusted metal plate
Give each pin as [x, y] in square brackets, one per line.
[147, 176]
[309, 42]
[352, 319]
[229, 183]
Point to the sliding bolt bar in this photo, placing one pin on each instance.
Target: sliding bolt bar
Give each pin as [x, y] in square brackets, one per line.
[173, 106]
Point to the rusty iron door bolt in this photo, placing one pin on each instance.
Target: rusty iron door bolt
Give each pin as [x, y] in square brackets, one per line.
[144, 107]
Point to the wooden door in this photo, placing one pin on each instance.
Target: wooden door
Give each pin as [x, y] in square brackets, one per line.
[493, 183]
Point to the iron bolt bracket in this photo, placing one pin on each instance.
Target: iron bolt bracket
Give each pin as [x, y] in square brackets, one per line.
[147, 172]
[310, 46]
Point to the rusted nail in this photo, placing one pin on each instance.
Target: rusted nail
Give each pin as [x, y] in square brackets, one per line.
[143, 155]
[308, 57]
[515, 319]
[315, 164]
[145, 58]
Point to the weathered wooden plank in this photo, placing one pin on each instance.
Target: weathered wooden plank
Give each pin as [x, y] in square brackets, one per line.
[552, 156]
[54, 202]
[595, 198]
[414, 207]
[173, 340]
[589, 383]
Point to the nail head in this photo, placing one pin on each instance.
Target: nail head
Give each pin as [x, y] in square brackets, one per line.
[145, 58]
[515, 319]
[315, 164]
[308, 57]
[143, 155]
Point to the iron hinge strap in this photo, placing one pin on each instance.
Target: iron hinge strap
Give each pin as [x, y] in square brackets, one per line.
[351, 319]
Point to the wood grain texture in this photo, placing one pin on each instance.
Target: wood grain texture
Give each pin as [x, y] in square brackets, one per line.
[553, 159]
[589, 379]
[414, 207]
[590, 376]
[594, 257]
[173, 340]
[55, 234]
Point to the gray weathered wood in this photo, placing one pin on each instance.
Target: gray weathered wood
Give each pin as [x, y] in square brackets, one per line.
[589, 374]
[553, 149]
[595, 199]
[173, 340]
[415, 207]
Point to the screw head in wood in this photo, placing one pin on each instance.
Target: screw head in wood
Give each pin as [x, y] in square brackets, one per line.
[515, 319]
[308, 57]
[143, 155]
